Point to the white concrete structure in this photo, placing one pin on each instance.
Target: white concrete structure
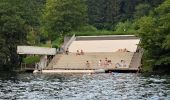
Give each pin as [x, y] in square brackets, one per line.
[104, 45]
[42, 63]
[36, 50]
[98, 48]
[71, 71]
[72, 61]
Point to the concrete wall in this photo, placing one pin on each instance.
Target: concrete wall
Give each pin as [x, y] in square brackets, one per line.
[104, 45]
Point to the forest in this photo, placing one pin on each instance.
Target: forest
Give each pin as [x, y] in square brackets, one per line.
[46, 22]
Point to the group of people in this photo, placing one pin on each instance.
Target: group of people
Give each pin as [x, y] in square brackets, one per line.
[81, 52]
[122, 50]
[106, 62]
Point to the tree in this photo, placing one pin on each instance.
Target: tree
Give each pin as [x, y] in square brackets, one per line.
[62, 16]
[12, 33]
[142, 10]
[105, 14]
[126, 26]
[31, 12]
[155, 34]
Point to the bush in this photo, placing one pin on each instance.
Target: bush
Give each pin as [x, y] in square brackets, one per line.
[87, 28]
[126, 26]
[57, 42]
[31, 59]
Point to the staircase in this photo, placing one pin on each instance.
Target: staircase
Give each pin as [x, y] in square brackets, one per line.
[136, 60]
[72, 61]
[53, 61]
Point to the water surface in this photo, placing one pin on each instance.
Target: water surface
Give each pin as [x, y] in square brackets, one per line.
[116, 86]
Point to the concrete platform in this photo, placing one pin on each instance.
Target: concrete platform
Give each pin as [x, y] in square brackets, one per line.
[70, 71]
[98, 48]
[104, 45]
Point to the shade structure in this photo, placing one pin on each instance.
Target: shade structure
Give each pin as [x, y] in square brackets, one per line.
[36, 50]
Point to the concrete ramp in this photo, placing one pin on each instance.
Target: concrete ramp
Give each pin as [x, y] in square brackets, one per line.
[104, 45]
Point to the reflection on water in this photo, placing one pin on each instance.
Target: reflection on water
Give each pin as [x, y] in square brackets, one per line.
[105, 86]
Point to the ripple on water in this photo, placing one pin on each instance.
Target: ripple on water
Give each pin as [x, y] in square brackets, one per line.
[82, 86]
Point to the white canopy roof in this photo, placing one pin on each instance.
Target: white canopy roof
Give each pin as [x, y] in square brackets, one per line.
[36, 50]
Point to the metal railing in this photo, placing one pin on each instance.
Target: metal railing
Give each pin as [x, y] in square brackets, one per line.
[69, 42]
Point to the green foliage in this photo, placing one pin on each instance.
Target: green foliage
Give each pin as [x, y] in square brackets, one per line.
[166, 43]
[19, 22]
[163, 8]
[33, 22]
[12, 32]
[32, 37]
[154, 31]
[57, 43]
[163, 60]
[105, 14]
[87, 28]
[47, 44]
[142, 10]
[126, 26]
[31, 59]
[3, 52]
[62, 16]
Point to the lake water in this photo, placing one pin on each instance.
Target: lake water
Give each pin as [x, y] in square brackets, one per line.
[116, 86]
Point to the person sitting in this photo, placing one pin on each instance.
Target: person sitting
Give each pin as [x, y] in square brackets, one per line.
[121, 50]
[122, 63]
[77, 53]
[117, 65]
[105, 63]
[109, 62]
[124, 50]
[106, 59]
[81, 52]
[67, 51]
[87, 64]
[100, 63]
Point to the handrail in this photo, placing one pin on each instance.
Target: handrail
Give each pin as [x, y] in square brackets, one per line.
[69, 42]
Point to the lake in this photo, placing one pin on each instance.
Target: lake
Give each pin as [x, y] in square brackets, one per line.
[105, 86]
